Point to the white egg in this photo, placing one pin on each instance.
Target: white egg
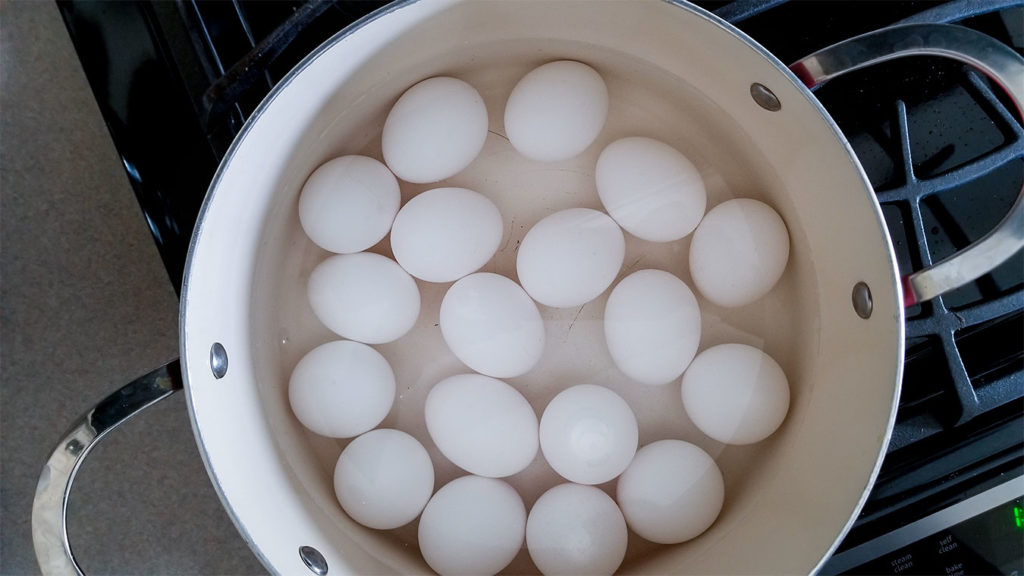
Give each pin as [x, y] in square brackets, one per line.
[492, 325]
[570, 257]
[735, 393]
[482, 425]
[435, 129]
[652, 326]
[574, 529]
[473, 526]
[738, 252]
[649, 188]
[556, 111]
[348, 204]
[445, 233]
[364, 296]
[341, 389]
[383, 479]
[672, 492]
[588, 434]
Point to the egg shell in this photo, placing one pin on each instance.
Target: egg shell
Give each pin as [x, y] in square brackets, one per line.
[736, 393]
[348, 203]
[384, 478]
[570, 257]
[482, 425]
[652, 326]
[364, 296]
[650, 189]
[341, 389]
[588, 434]
[556, 111]
[444, 234]
[672, 492]
[492, 325]
[434, 130]
[738, 252]
[472, 526]
[576, 529]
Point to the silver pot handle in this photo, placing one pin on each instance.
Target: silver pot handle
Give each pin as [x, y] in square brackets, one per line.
[49, 508]
[997, 61]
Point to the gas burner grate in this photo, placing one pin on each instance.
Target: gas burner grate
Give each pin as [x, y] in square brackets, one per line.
[918, 208]
[946, 158]
[247, 46]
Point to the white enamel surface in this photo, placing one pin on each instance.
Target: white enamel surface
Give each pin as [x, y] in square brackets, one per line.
[652, 325]
[481, 424]
[245, 286]
[575, 529]
[735, 393]
[570, 257]
[472, 526]
[588, 434]
[434, 130]
[671, 492]
[365, 297]
[556, 111]
[384, 478]
[445, 233]
[348, 203]
[650, 189]
[492, 325]
[341, 389]
[739, 252]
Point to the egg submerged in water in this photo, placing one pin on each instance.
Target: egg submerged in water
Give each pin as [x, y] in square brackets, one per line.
[652, 190]
[341, 389]
[364, 296]
[652, 326]
[435, 129]
[570, 257]
[384, 478]
[739, 251]
[492, 325]
[444, 234]
[735, 393]
[588, 434]
[576, 529]
[671, 492]
[472, 526]
[556, 111]
[482, 425]
[348, 203]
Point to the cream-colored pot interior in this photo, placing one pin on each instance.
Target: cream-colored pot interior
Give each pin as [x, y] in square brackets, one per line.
[673, 73]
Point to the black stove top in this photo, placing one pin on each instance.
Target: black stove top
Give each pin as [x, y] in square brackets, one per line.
[175, 82]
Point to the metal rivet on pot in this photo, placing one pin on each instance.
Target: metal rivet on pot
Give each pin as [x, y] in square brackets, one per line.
[862, 300]
[74, 447]
[765, 98]
[313, 560]
[218, 360]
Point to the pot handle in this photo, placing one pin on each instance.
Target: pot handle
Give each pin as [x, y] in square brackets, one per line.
[990, 57]
[49, 508]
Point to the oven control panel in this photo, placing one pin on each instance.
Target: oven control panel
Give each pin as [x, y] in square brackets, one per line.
[981, 535]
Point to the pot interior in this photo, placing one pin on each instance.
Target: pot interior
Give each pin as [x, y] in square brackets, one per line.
[672, 74]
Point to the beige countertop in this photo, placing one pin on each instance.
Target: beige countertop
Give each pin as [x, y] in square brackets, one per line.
[85, 307]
